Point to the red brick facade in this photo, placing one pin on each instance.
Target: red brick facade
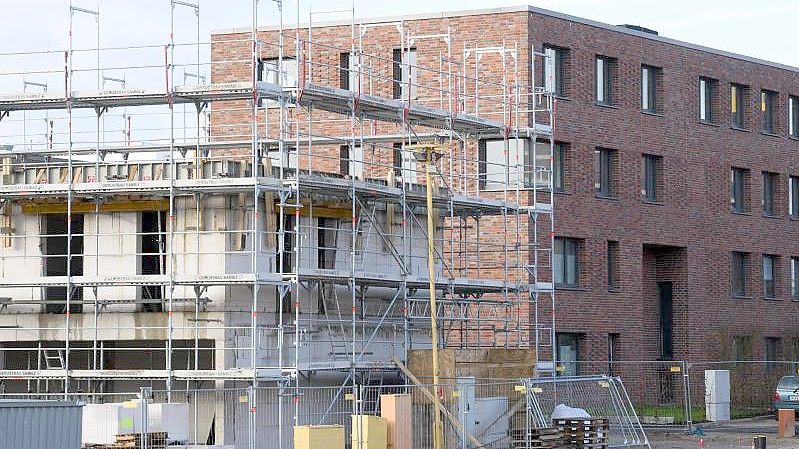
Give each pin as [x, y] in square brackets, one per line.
[687, 236]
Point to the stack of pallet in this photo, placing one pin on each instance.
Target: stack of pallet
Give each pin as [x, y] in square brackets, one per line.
[545, 438]
[584, 433]
[155, 440]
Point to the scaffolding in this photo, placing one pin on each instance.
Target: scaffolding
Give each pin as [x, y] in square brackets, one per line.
[285, 231]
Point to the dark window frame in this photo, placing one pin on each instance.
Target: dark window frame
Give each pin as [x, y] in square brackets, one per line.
[567, 246]
[794, 267]
[710, 99]
[605, 172]
[609, 73]
[560, 66]
[769, 277]
[793, 116]
[652, 77]
[739, 190]
[793, 196]
[559, 166]
[769, 100]
[770, 192]
[612, 265]
[738, 106]
[739, 267]
[651, 180]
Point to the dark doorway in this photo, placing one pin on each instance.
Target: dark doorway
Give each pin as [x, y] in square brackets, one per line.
[666, 308]
[153, 258]
[54, 249]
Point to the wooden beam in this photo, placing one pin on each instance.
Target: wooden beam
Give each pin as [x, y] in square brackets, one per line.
[32, 208]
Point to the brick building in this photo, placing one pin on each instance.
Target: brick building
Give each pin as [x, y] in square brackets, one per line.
[675, 187]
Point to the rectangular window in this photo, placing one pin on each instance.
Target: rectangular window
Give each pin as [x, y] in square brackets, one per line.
[404, 74]
[348, 73]
[270, 72]
[555, 69]
[605, 172]
[495, 171]
[566, 262]
[738, 105]
[650, 80]
[152, 258]
[568, 353]
[613, 264]
[772, 352]
[795, 277]
[651, 177]
[739, 268]
[708, 88]
[769, 192]
[768, 111]
[396, 159]
[613, 351]
[769, 274]
[558, 167]
[793, 196]
[55, 244]
[742, 347]
[793, 116]
[326, 242]
[739, 190]
[605, 77]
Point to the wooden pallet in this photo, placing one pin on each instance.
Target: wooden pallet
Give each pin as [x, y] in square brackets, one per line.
[155, 440]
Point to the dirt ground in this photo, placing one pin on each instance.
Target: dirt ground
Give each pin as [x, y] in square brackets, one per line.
[733, 435]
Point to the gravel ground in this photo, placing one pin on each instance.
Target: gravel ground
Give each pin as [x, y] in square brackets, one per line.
[733, 435]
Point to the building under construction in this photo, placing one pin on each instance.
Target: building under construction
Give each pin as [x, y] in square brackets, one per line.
[249, 213]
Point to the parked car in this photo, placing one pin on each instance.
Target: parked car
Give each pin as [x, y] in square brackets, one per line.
[787, 393]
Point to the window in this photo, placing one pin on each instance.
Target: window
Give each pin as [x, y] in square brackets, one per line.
[558, 167]
[793, 116]
[651, 177]
[741, 347]
[605, 80]
[708, 101]
[351, 161]
[285, 76]
[650, 84]
[348, 72]
[769, 272]
[55, 246]
[326, 242]
[738, 105]
[613, 350]
[397, 159]
[605, 172]
[795, 277]
[566, 262]
[768, 111]
[556, 64]
[568, 352]
[769, 192]
[793, 196]
[152, 258]
[613, 264]
[495, 171]
[740, 190]
[404, 74]
[772, 352]
[739, 268]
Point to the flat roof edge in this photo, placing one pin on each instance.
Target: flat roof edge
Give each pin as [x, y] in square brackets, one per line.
[530, 9]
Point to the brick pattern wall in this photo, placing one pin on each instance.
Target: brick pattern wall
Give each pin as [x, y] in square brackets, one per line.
[692, 216]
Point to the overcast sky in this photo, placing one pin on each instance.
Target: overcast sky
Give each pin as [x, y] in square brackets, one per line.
[763, 30]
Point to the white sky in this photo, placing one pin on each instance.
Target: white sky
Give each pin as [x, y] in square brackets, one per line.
[763, 30]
